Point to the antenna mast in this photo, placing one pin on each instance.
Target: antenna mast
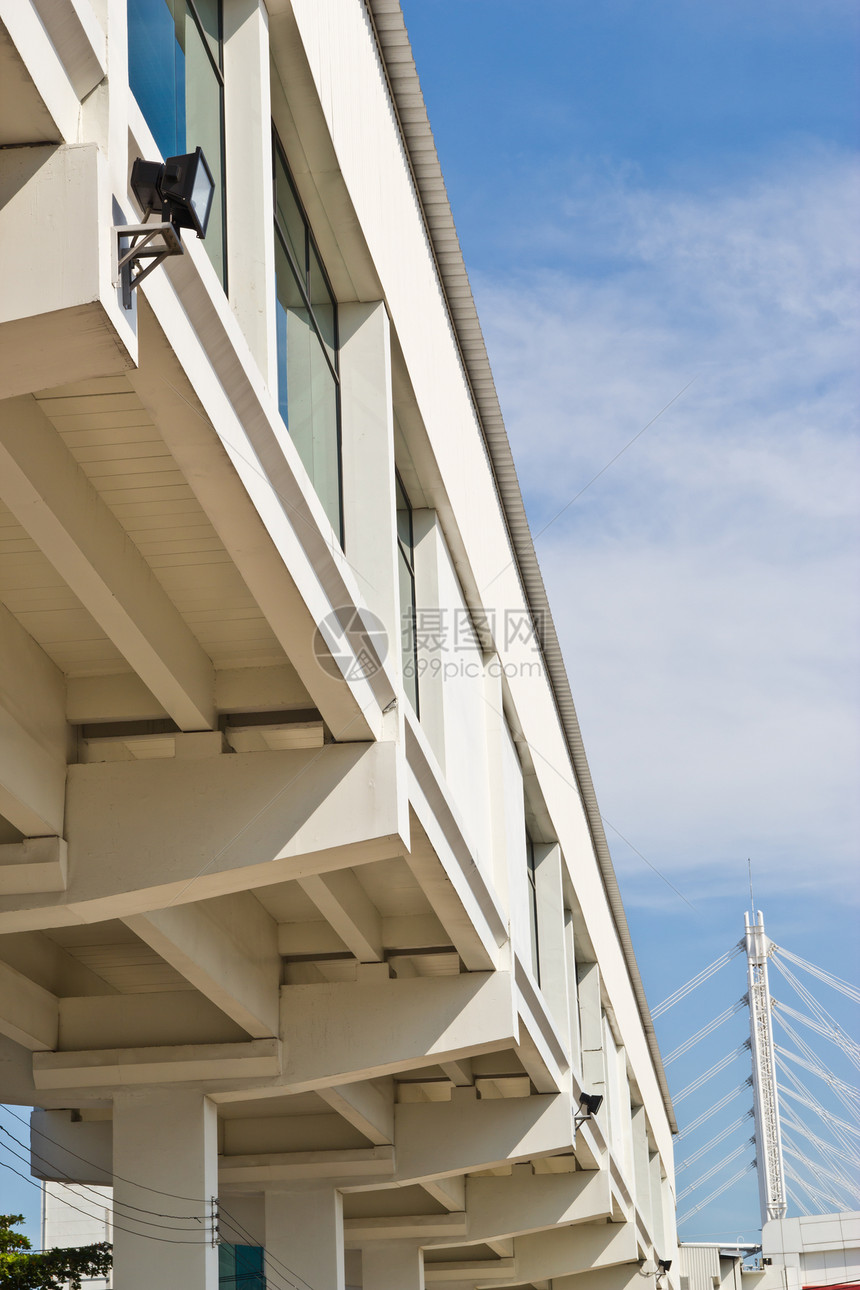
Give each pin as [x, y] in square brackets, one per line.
[771, 1177]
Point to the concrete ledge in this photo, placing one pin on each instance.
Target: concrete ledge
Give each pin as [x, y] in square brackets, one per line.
[363, 1162]
[36, 864]
[121, 1067]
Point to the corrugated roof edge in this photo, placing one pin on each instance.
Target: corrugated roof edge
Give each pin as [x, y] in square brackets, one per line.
[389, 26]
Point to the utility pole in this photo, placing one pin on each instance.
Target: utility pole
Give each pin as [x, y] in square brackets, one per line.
[771, 1174]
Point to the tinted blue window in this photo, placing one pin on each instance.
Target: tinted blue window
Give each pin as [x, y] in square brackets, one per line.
[156, 72]
[306, 319]
[174, 70]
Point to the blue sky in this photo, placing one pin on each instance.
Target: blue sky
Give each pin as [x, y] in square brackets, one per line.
[648, 195]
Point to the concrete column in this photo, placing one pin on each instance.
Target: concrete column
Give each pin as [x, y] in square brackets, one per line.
[367, 422]
[641, 1165]
[166, 1141]
[248, 176]
[431, 644]
[551, 937]
[591, 1028]
[304, 1232]
[392, 1266]
[572, 995]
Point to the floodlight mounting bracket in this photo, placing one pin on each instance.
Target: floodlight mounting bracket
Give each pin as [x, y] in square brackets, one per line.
[136, 243]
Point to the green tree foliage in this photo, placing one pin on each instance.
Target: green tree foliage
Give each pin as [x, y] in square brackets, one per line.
[20, 1269]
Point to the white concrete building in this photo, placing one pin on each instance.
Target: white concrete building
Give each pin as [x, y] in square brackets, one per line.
[812, 1252]
[309, 934]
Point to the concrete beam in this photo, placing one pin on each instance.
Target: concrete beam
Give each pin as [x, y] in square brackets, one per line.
[34, 865]
[442, 1228]
[343, 1031]
[474, 1272]
[342, 900]
[41, 959]
[53, 500]
[526, 1202]
[227, 949]
[34, 735]
[32, 781]
[78, 40]
[181, 831]
[360, 1163]
[460, 1073]
[116, 1068]
[63, 1148]
[465, 1134]
[561, 1251]
[368, 1105]
[43, 67]
[143, 1020]
[449, 1192]
[29, 1014]
[622, 1278]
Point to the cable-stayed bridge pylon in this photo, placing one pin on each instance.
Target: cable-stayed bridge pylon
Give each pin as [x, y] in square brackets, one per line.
[814, 1172]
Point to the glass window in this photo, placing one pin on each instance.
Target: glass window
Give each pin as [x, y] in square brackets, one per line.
[533, 907]
[175, 73]
[406, 576]
[308, 380]
[240, 1267]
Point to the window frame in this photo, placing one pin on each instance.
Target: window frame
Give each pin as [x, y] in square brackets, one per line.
[531, 878]
[302, 279]
[408, 557]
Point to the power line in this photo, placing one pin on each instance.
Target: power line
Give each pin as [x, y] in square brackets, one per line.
[191, 1218]
[192, 1200]
[144, 1236]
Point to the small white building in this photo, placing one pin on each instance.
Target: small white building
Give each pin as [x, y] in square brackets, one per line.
[310, 941]
[813, 1252]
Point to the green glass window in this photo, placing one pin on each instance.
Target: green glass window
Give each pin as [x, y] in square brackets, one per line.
[240, 1267]
[308, 379]
[175, 73]
[406, 576]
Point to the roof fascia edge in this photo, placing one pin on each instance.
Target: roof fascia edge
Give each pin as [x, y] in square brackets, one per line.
[389, 28]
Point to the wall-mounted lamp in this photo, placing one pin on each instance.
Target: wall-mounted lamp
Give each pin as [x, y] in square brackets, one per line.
[181, 191]
[663, 1266]
[589, 1105]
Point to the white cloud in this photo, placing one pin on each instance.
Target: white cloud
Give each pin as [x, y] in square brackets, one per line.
[706, 587]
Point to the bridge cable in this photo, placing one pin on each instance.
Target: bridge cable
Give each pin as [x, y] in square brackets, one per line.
[717, 1192]
[711, 1072]
[709, 1029]
[694, 982]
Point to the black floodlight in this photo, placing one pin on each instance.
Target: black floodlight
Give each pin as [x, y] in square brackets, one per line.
[663, 1266]
[589, 1105]
[181, 189]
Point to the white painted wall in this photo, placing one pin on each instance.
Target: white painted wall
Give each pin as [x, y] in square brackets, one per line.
[77, 1216]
